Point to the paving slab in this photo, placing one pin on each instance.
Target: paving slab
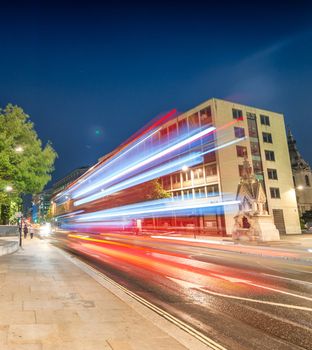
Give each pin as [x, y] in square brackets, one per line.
[47, 302]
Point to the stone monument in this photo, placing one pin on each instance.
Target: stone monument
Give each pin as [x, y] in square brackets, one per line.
[252, 222]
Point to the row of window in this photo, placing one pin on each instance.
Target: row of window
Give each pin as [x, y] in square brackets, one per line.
[239, 132]
[238, 114]
[189, 175]
[199, 192]
[241, 151]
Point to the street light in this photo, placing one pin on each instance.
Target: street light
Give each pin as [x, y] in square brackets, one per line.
[19, 149]
[8, 188]
[300, 187]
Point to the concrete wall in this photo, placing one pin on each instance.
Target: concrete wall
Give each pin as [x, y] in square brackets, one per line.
[8, 230]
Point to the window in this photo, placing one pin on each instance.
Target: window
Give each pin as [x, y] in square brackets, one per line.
[239, 132]
[294, 180]
[269, 155]
[240, 170]
[237, 113]
[182, 125]
[210, 157]
[213, 190]
[198, 174]
[200, 192]
[241, 151]
[307, 180]
[205, 116]
[211, 170]
[186, 175]
[175, 178]
[176, 194]
[257, 166]
[166, 181]
[187, 194]
[275, 192]
[255, 149]
[163, 134]
[265, 120]
[172, 129]
[193, 121]
[272, 174]
[267, 137]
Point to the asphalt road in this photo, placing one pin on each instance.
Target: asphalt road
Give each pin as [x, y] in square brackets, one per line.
[241, 301]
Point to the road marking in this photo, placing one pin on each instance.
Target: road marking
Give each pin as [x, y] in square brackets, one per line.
[286, 278]
[238, 280]
[186, 284]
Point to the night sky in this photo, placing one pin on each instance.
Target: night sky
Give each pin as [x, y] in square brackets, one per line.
[90, 74]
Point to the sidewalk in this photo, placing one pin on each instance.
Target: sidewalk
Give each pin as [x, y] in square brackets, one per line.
[8, 245]
[48, 303]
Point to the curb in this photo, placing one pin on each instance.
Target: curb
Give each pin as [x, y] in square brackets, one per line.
[8, 248]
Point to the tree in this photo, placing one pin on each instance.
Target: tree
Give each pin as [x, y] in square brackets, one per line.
[156, 191]
[25, 164]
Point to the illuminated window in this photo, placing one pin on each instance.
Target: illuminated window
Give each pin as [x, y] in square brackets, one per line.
[265, 120]
[172, 129]
[267, 137]
[164, 134]
[210, 157]
[187, 194]
[198, 174]
[240, 170]
[166, 181]
[193, 121]
[175, 178]
[211, 170]
[272, 174]
[269, 155]
[237, 113]
[199, 192]
[182, 126]
[275, 192]
[241, 151]
[213, 190]
[239, 132]
[255, 149]
[307, 180]
[205, 116]
[186, 175]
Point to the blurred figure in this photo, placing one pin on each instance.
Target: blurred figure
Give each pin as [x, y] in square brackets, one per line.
[31, 231]
[25, 230]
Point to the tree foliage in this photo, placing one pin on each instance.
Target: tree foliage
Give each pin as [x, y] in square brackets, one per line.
[29, 169]
[156, 191]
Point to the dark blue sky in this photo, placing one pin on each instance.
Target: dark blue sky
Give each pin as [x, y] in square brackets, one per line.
[82, 67]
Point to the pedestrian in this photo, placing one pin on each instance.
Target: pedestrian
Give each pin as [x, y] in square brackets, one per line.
[31, 231]
[25, 231]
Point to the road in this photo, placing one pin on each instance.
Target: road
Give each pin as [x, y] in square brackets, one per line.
[240, 301]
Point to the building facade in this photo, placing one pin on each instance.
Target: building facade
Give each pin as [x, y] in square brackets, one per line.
[219, 175]
[302, 176]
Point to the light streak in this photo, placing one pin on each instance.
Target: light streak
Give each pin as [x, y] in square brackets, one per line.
[146, 161]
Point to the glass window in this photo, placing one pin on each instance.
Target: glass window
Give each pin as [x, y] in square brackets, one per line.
[255, 148]
[198, 174]
[257, 166]
[200, 192]
[269, 155]
[187, 194]
[176, 178]
[166, 181]
[239, 132]
[265, 120]
[240, 170]
[307, 180]
[193, 121]
[237, 113]
[275, 192]
[241, 151]
[211, 170]
[205, 116]
[252, 125]
[164, 134]
[272, 174]
[267, 137]
[213, 190]
[172, 129]
[210, 157]
[182, 125]
[186, 175]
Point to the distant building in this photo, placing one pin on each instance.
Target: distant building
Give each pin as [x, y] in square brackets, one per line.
[42, 200]
[41, 204]
[302, 176]
[62, 183]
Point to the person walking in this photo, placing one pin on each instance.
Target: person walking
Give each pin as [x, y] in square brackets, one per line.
[31, 231]
[25, 231]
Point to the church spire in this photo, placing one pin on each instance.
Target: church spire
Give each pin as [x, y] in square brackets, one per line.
[297, 162]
